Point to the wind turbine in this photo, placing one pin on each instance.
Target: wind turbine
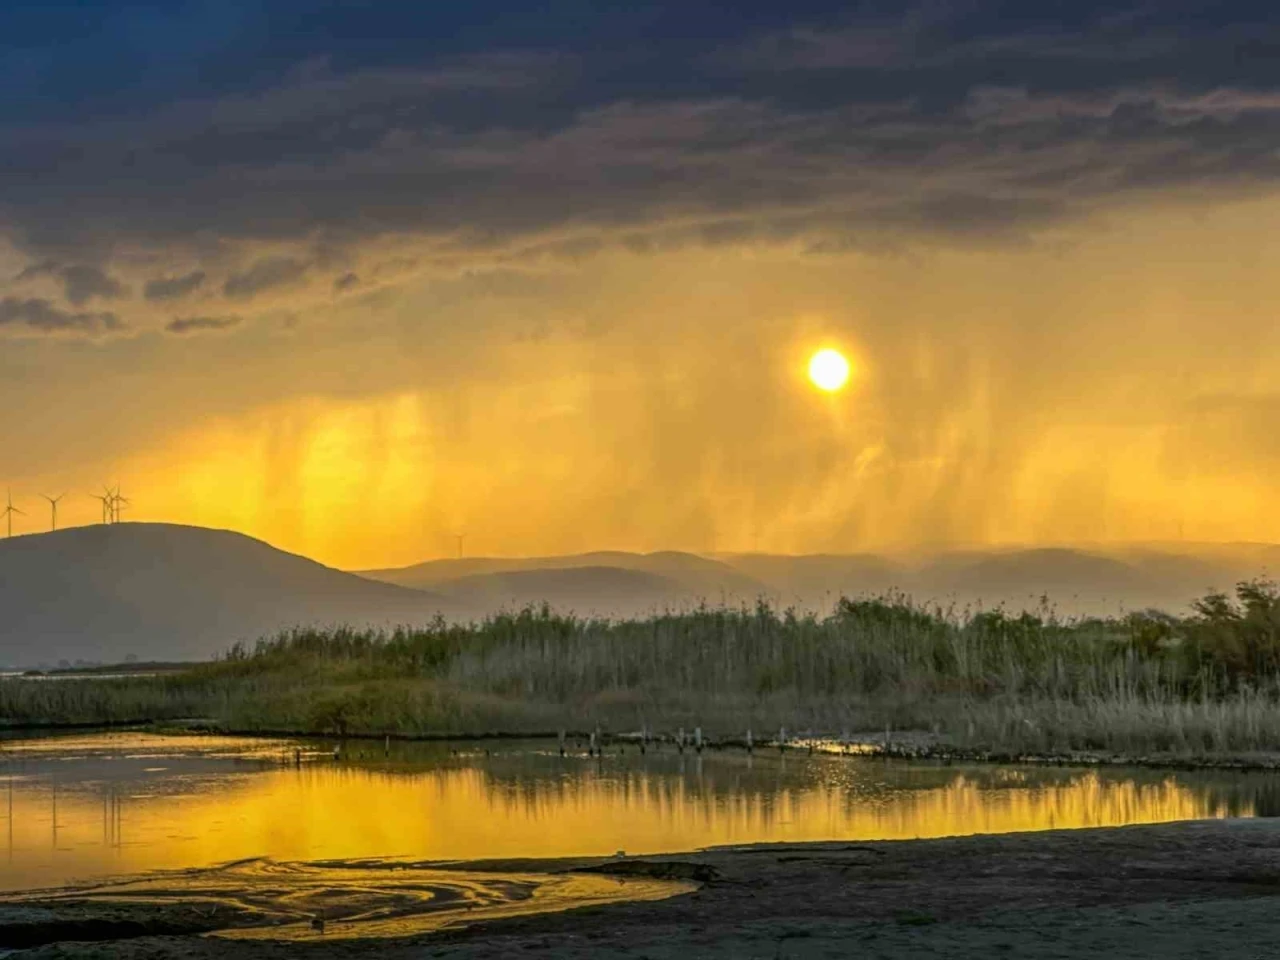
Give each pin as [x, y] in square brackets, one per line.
[53, 507]
[105, 500]
[111, 503]
[10, 510]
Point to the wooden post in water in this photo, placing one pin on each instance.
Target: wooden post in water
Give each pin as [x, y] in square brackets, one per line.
[562, 743]
[680, 740]
[591, 745]
[782, 739]
[750, 745]
[386, 747]
[697, 739]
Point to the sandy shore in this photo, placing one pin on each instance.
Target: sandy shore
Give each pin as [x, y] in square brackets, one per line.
[1207, 889]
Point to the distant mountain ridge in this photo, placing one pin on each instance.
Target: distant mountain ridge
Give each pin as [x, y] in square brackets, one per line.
[1098, 580]
[171, 592]
[693, 569]
[605, 583]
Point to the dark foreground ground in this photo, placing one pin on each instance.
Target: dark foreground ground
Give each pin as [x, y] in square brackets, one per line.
[1208, 889]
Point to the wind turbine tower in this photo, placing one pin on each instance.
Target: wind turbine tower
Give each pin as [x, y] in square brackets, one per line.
[117, 502]
[9, 511]
[53, 509]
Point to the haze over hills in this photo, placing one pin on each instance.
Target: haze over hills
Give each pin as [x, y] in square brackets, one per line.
[584, 591]
[604, 583]
[1076, 581]
[1095, 580]
[688, 572]
[170, 592]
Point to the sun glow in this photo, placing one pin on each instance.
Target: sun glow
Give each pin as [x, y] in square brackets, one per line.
[829, 370]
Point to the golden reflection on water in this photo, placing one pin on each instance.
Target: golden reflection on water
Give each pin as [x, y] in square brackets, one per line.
[150, 804]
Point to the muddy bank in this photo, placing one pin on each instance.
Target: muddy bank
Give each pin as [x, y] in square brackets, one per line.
[895, 745]
[320, 901]
[1180, 890]
[924, 746]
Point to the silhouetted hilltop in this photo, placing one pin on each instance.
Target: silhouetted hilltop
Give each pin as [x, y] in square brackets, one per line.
[170, 592]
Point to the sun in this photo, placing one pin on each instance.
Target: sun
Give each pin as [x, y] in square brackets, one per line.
[829, 370]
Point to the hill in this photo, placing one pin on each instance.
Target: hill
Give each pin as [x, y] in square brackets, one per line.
[1077, 581]
[170, 592]
[681, 576]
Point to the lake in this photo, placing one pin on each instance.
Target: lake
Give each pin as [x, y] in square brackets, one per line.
[81, 807]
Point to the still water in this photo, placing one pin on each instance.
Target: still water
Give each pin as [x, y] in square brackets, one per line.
[76, 808]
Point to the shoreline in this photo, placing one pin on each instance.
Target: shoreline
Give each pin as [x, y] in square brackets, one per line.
[1186, 889]
[911, 745]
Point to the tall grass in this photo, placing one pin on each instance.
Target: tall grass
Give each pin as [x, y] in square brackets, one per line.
[1146, 682]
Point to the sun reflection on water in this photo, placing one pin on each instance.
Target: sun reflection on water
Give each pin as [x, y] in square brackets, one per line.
[95, 808]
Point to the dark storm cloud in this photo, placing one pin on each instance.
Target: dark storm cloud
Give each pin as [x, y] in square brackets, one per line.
[42, 316]
[174, 288]
[947, 40]
[264, 275]
[48, 268]
[196, 324]
[555, 137]
[81, 282]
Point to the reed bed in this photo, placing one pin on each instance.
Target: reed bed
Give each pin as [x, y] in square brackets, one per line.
[1208, 683]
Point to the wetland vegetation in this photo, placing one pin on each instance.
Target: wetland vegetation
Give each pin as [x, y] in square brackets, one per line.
[1201, 684]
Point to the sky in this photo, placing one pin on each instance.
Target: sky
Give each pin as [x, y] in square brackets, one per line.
[359, 278]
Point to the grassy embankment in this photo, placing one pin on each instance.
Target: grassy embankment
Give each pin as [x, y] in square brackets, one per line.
[1206, 683]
